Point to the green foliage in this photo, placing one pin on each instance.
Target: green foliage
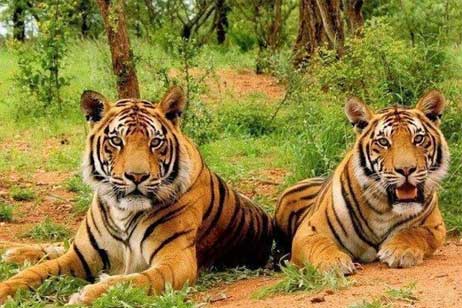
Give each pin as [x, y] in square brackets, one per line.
[22, 193]
[392, 295]
[405, 293]
[127, 296]
[307, 279]
[84, 193]
[8, 269]
[40, 64]
[6, 211]
[54, 290]
[48, 230]
[213, 278]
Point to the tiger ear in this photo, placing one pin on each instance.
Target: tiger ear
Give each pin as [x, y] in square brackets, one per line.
[93, 105]
[432, 105]
[173, 103]
[358, 113]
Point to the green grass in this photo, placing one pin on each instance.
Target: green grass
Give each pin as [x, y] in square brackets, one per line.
[84, 194]
[6, 211]
[22, 193]
[307, 279]
[212, 278]
[390, 297]
[48, 231]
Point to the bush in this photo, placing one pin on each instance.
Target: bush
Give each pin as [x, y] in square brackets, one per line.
[6, 212]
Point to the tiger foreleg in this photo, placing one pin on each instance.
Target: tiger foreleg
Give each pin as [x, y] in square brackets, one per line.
[175, 270]
[322, 252]
[34, 276]
[408, 247]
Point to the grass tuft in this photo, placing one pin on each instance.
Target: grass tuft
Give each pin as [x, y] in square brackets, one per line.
[404, 294]
[307, 279]
[48, 230]
[212, 278]
[22, 194]
[124, 295]
[84, 194]
[6, 212]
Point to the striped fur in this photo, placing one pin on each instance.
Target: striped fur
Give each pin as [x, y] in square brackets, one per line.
[158, 214]
[381, 202]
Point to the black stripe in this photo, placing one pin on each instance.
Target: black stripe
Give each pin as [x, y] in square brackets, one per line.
[167, 241]
[101, 252]
[86, 268]
[221, 194]
[337, 237]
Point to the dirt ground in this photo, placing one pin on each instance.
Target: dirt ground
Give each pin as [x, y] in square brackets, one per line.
[438, 281]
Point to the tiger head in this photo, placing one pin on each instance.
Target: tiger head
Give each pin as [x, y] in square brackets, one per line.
[400, 153]
[136, 156]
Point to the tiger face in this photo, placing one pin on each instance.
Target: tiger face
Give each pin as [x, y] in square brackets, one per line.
[135, 156]
[401, 154]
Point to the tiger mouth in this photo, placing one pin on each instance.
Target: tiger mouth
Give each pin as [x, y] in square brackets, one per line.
[406, 193]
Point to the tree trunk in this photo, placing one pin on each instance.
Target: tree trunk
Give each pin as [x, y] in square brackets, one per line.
[274, 35]
[355, 16]
[119, 43]
[84, 8]
[330, 11]
[310, 31]
[19, 29]
[221, 9]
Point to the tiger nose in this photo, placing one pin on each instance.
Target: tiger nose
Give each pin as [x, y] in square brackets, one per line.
[406, 171]
[137, 177]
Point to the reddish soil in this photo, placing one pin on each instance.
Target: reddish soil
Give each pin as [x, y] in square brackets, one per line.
[438, 280]
[438, 284]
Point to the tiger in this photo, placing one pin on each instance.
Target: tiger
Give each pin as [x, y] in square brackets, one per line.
[158, 214]
[381, 202]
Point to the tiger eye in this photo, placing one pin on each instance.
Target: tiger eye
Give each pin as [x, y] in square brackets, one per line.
[383, 142]
[419, 139]
[156, 142]
[116, 141]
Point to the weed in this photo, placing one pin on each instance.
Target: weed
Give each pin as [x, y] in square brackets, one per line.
[124, 295]
[48, 230]
[391, 295]
[212, 278]
[307, 279]
[22, 194]
[84, 194]
[6, 212]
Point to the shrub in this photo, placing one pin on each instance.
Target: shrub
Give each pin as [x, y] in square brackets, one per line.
[6, 212]
[22, 194]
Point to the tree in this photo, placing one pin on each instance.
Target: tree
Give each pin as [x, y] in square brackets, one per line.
[19, 16]
[311, 32]
[221, 20]
[355, 16]
[122, 57]
[331, 16]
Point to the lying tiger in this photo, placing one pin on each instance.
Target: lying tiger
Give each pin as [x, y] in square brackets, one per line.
[158, 213]
[381, 202]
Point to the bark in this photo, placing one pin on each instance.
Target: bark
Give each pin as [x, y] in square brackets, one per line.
[119, 44]
[355, 16]
[221, 20]
[310, 31]
[331, 16]
[274, 35]
[19, 29]
[84, 8]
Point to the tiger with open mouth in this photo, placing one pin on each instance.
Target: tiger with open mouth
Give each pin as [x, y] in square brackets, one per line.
[381, 201]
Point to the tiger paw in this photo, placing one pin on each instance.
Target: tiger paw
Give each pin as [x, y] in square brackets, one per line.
[400, 256]
[339, 261]
[91, 292]
[32, 253]
[5, 292]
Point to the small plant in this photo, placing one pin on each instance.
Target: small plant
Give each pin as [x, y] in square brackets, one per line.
[54, 290]
[84, 194]
[22, 194]
[212, 278]
[307, 278]
[405, 293]
[124, 295]
[48, 230]
[7, 270]
[391, 295]
[6, 212]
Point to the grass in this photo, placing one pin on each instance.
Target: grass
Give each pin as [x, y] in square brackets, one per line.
[212, 278]
[22, 194]
[48, 231]
[84, 194]
[390, 296]
[307, 279]
[6, 211]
